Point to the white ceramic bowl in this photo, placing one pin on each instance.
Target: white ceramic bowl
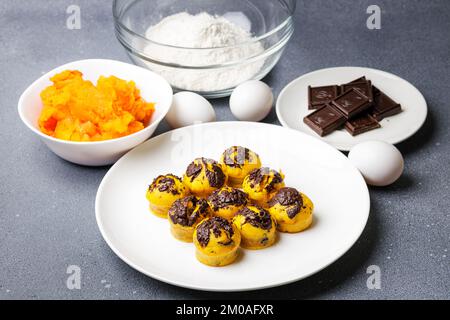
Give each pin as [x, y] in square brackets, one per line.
[153, 89]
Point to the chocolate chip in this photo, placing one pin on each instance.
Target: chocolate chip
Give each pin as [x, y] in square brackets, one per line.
[290, 198]
[215, 225]
[193, 170]
[237, 156]
[293, 211]
[216, 177]
[165, 184]
[257, 176]
[223, 198]
[260, 219]
[187, 211]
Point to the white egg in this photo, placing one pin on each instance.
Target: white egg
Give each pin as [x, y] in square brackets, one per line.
[189, 108]
[251, 101]
[380, 163]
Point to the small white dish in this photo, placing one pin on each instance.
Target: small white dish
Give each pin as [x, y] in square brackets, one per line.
[292, 105]
[153, 89]
[144, 241]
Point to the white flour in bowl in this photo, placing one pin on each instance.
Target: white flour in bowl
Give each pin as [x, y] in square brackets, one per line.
[202, 31]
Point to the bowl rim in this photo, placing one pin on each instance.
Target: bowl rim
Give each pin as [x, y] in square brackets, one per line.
[154, 122]
[253, 40]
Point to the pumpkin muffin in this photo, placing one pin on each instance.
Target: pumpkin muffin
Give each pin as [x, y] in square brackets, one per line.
[185, 214]
[292, 210]
[261, 184]
[257, 227]
[203, 176]
[227, 201]
[163, 192]
[238, 163]
[217, 242]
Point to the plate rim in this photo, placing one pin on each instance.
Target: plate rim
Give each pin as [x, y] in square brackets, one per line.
[216, 289]
[338, 146]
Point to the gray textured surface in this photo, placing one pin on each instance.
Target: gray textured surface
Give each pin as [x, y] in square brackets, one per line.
[47, 205]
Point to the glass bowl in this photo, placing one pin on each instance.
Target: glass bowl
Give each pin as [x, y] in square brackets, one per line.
[210, 71]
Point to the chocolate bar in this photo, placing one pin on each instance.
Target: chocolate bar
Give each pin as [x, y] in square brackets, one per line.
[361, 124]
[384, 106]
[319, 96]
[352, 102]
[362, 79]
[375, 91]
[364, 86]
[325, 120]
[358, 104]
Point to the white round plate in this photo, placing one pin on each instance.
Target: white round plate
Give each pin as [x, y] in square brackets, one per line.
[292, 105]
[144, 241]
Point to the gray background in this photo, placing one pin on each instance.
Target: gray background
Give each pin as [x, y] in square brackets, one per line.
[47, 205]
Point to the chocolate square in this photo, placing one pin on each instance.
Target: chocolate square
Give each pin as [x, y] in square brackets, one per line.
[361, 124]
[319, 96]
[362, 79]
[325, 120]
[365, 87]
[375, 91]
[384, 106]
[352, 102]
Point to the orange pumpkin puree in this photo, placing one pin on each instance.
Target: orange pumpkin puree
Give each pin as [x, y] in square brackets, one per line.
[77, 110]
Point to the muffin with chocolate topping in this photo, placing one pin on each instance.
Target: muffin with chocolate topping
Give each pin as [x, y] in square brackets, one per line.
[292, 210]
[227, 201]
[261, 184]
[203, 176]
[185, 214]
[257, 227]
[238, 163]
[216, 241]
[164, 191]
